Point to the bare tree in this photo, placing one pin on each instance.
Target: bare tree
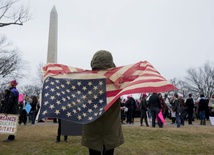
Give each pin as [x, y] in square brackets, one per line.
[181, 85]
[38, 80]
[201, 80]
[12, 66]
[30, 90]
[12, 12]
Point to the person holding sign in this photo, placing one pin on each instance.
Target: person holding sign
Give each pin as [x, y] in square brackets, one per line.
[10, 105]
[22, 111]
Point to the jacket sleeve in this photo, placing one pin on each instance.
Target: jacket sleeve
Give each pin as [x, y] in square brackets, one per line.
[175, 105]
[143, 102]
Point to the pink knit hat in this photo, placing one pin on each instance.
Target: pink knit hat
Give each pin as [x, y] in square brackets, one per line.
[13, 83]
[144, 95]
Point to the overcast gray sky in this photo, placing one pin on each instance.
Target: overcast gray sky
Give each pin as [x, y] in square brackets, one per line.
[173, 35]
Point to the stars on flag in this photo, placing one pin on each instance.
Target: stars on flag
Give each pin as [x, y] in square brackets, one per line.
[78, 100]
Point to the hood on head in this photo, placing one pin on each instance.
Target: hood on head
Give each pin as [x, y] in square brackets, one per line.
[102, 60]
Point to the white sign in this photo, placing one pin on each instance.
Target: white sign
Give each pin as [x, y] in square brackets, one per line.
[212, 120]
[8, 124]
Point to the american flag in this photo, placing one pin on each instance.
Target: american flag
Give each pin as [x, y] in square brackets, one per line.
[79, 100]
[82, 96]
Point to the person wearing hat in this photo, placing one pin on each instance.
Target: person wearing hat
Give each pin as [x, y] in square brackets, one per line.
[10, 105]
[105, 133]
[143, 109]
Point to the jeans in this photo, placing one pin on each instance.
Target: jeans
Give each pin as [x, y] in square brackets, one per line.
[202, 115]
[178, 120]
[155, 112]
[33, 115]
[182, 117]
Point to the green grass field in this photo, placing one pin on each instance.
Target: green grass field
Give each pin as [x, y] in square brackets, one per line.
[169, 140]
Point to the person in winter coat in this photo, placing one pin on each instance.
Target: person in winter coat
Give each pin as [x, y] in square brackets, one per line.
[182, 106]
[177, 110]
[155, 107]
[33, 109]
[202, 106]
[162, 103]
[105, 133]
[143, 110]
[10, 105]
[22, 111]
[130, 105]
[189, 108]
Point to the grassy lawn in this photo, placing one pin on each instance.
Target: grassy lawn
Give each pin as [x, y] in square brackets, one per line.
[40, 139]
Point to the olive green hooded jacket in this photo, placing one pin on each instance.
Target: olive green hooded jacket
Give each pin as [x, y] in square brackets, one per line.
[106, 130]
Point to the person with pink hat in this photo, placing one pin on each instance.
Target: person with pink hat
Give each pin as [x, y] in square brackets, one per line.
[10, 105]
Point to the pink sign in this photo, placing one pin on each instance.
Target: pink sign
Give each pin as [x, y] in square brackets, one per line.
[160, 115]
[21, 96]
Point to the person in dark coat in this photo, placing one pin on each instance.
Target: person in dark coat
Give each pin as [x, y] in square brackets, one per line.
[104, 134]
[182, 106]
[22, 112]
[143, 110]
[176, 108]
[10, 105]
[189, 108]
[33, 109]
[129, 104]
[202, 106]
[155, 107]
[134, 109]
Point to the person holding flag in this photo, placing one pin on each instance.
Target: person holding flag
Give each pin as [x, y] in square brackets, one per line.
[91, 97]
[104, 134]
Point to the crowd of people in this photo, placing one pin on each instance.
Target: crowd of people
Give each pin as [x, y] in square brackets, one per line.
[103, 135]
[159, 106]
[28, 114]
[27, 108]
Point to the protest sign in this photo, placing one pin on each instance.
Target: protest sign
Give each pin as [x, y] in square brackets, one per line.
[212, 120]
[21, 97]
[8, 124]
[27, 107]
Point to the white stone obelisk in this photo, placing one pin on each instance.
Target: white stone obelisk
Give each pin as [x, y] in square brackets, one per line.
[52, 39]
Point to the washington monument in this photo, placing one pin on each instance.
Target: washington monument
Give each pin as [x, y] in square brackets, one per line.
[52, 39]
